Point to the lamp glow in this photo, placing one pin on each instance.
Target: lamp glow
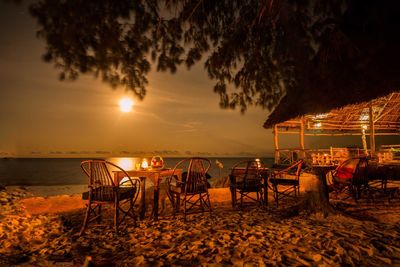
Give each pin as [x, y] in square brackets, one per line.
[318, 125]
[145, 164]
[125, 104]
[126, 163]
[258, 163]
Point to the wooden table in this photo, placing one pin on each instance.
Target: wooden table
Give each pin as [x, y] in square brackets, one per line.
[155, 175]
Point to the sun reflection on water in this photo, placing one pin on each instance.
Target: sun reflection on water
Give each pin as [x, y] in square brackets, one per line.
[127, 163]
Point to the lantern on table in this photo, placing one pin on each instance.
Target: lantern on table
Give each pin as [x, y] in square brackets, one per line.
[144, 164]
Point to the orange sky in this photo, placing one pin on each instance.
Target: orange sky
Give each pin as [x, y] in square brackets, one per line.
[41, 116]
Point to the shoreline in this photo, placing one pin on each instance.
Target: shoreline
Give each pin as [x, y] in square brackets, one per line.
[50, 190]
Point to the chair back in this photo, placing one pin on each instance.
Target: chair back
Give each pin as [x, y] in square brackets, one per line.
[297, 166]
[196, 169]
[360, 176]
[247, 171]
[98, 173]
[101, 182]
[352, 171]
[346, 169]
[291, 172]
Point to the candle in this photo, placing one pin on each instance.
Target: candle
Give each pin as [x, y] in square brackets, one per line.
[144, 165]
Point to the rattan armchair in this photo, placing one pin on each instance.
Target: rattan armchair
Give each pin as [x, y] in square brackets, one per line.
[191, 192]
[286, 182]
[246, 183]
[351, 178]
[104, 190]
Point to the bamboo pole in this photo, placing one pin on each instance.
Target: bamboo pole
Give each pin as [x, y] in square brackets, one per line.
[276, 143]
[371, 131]
[364, 142]
[302, 138]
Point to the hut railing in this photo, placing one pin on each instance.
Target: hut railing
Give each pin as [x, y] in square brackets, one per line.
[328, 156]
[388, 153]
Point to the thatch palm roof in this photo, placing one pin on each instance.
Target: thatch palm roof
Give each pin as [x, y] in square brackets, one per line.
[350, 118]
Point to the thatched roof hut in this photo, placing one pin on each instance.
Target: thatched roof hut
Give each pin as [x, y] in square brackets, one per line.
[351, 118]
[380, 116]
[295, 106]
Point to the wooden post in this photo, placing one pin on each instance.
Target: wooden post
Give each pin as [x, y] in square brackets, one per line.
[276, 143]
[371, 131]
[302, 154]
[364, 141]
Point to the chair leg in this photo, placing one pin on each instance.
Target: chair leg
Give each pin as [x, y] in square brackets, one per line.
[184, 209]
[178, 203]
[173, 203]
[116, 213]
[276, 195]
[233, 196]
[85, 220]
[201, 202]
[132, 210]
[209, 203]
[99, 213]
[260, 201]
[262, 198]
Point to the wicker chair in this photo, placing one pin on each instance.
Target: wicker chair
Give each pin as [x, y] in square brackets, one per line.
[286, 183]
[103, 190]
[383, 181]
[191, 191]
[351, 178]
[245, 180]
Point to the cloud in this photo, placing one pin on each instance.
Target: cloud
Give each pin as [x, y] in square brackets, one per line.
[167, 152]
[102, 152]
[3, 153]
[191, 126]
[56, 152]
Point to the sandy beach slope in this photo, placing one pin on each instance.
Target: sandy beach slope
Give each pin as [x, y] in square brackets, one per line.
[38, 231]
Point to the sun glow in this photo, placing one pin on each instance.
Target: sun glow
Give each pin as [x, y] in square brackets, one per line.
[126, 163]
[126, 104]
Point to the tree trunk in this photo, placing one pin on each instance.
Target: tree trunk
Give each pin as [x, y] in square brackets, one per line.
[315, 199]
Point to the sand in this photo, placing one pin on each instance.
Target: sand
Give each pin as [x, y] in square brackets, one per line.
[39, 231]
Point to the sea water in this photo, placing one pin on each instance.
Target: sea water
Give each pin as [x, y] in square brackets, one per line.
[67, 171]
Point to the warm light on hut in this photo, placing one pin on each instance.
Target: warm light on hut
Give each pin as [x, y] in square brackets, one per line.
[364, 138]
[258, 163]
[318, 125]
[364, 116]
[321, 116]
